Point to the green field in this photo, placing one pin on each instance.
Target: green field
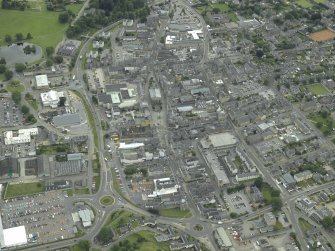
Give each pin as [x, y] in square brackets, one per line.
[319, 1]
[121, 217]
[145, 241]
[84, 190]
[324, 124]
[224, 8]
[53, 149]
[107, 200]
[304, 3]
[318, 89]
[175, 213]
[14, 190]
[42, 24]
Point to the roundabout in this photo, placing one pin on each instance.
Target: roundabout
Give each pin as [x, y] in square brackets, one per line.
[107, 200]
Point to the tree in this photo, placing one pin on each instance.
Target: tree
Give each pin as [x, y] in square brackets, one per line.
[49, 62]
[233, 215]
[258, 182]
[84, 245]
[8, 74]
[20, 67]
[8, 38]
[276, 203]
[16, 96]
[2, 68]
[29, 36]
[30, 119]
[50, 50]
[63, 17]
[19, 36]
[25, 109]
[216, 10]
[2, 61]
[58, 59]
[327, 222]
[105, 235]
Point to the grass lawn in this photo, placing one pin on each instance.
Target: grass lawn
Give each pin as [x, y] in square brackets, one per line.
[107, 200]
[319, 1]
[318, 89]
[307, 183]
[15, 86]
[266, 192]
[69, 192]
[90, 118]
[305, 3]
[148, 242]
[175, 213]
[322, 123]
[2, 76]
[221, 6]
[97, 182]
[14, 190]
[53, 149]
[305, 225]
[43, 25]
[82, 191]
[96, 249]
[121, 217]
[75, 8]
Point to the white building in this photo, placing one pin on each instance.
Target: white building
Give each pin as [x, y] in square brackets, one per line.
[19, 137]
[14, 236]
[86, 217]
[41, 81]
[51, 98]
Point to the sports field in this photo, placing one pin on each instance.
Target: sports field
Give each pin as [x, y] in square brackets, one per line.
[43, 25]
[322, 35]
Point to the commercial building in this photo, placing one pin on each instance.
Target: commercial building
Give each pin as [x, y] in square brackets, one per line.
[164, 187]
[51, 98]
[219, 141]
[222, 238]
[41, 81]
[12, 237]
[68, 119]
[19, 137]
[288, 181]
[86, 217]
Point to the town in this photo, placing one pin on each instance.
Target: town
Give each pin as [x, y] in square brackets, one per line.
[168, 125]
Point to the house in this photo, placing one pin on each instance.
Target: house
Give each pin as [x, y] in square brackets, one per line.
[305, 175]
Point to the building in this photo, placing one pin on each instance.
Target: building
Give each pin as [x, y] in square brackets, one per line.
[222, 238]
[305, 175]
[19, 137]
[155, 94]
[68, 119]
[246, 176]
[12, 237]
[42, 81]
[288, 181]
[305, 205]
[270, 219]
[219, 141]
[8, 167]
[86, 216]
[51, 98]
[164, 187]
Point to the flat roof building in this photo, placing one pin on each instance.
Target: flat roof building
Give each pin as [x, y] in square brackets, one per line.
[14, 236]
[41, 81]
[19, 137]
[51, 98]
[68, 119]
[219, 141]
[222, 238]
